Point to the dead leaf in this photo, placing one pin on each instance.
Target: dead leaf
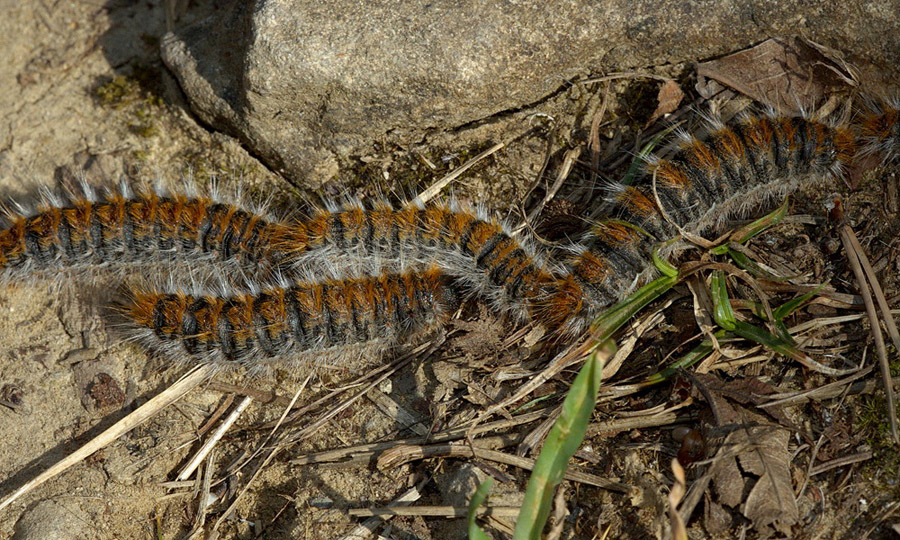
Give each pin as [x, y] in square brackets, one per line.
[746, 391]
[750, 471]
[668, 99]
[784, 73]
[771, 502]
[716, 519]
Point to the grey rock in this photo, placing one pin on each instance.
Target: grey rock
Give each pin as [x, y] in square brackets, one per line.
[53, 520]
[305, 83]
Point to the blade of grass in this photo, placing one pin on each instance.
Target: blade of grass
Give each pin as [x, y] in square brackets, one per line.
[744, 234]
[724, 317]
[698, 353]
[606, 324]
[562, 442]
[722, 312]
[791, 306]
[478, 498]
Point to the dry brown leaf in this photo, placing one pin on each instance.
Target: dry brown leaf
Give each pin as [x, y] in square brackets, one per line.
[746, 391]
[668, 99]
[771, 502]
[751, 470]
[753, 474]
[716, 518]
[784, 73]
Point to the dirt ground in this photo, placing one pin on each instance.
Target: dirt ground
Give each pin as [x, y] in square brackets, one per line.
[83, 93]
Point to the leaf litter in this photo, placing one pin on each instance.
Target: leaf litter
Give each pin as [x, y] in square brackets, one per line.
[753, 448]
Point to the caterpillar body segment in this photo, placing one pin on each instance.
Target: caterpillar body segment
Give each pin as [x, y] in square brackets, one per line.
[475, 250]
[879, 132]
[293, 319]
[124, 229]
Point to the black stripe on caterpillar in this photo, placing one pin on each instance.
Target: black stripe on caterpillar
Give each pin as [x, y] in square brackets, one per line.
[738, 168]
[124, 228]
[290, 320]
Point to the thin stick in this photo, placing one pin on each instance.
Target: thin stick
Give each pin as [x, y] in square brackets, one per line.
[566, 168]
[404, 454]
[366, 451]
[886, 315]
[438, 186]
[841, 462]
[847, 236]
[367, 527]
[435, 511]
[123, 426]
[214, 438]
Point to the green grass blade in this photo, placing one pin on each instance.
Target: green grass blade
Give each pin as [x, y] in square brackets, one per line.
[478, 498]
[722, 311]
[698, 353]
[612, 319]
[562, 442]
[664, 266]
[744, 234]
[791, 306]
[771, 219]
[724, 317]
[768, 340]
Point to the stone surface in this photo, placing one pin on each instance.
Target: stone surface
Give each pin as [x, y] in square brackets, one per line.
[54, 520]
[306, 83]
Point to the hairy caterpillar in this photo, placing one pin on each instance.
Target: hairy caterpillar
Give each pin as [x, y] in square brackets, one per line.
[879, 132]
[124, 228]
[737, 168]
[251, 329]
[469, 246]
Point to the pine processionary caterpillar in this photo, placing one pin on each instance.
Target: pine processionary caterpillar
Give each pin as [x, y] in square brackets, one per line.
[879, 132]
[737, 168]
[301, 317]
[477, 251]
[124, 228]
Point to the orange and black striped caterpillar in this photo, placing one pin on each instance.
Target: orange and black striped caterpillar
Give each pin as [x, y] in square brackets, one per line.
[124, 228]
[737, 168]
[293, 318]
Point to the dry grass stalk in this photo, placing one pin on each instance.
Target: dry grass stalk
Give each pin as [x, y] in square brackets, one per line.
[865, 275]
[123, 426]
[214, 439]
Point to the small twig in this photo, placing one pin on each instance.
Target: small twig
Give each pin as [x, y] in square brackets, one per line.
[123, 426]
[841, 462]
[404, 454]
[625, 424]
[568, 161]
[431, 191]
[435, 511]
[312, 428]
[626, 75]
[366, 451]
[393, 410]
[594, 142]
[218, 413]
[213, 439]
[877, 292]
[559, 363]
[367, 527]
[303, 412]
[826, 391]
[203, 500]
[853, 256]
